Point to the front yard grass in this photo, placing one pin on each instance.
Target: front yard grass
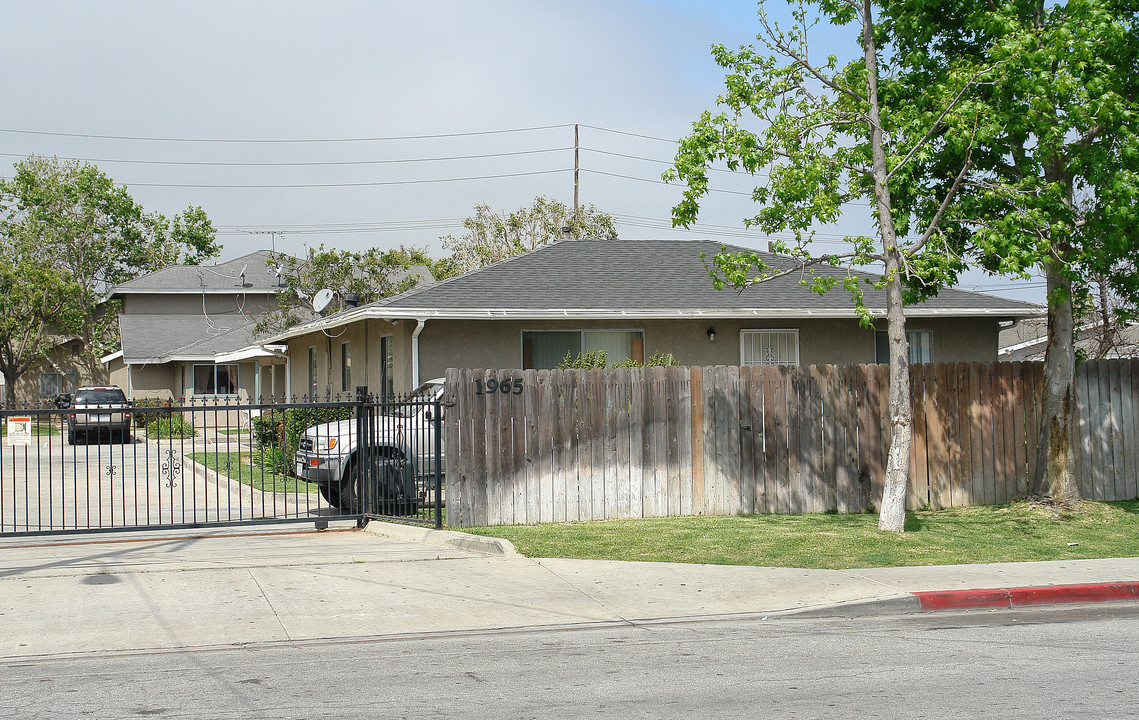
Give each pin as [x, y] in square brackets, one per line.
[239, 466]
[1000, 533]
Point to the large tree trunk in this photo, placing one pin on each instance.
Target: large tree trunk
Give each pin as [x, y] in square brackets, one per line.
[1055, 463]
[892, 516]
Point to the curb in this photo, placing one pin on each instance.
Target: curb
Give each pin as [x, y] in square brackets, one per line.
[1026, 596]
[444, 538]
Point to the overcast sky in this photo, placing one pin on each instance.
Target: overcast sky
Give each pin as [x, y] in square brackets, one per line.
[353, 124]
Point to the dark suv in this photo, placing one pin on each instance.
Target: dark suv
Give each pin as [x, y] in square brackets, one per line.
[98, 409]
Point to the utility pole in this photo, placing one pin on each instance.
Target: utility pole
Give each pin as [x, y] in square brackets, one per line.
[576, 168]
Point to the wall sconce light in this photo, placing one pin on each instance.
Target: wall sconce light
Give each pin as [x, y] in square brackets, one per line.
[711, 334]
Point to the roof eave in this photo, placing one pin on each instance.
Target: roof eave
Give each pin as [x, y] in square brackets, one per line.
[395, 313]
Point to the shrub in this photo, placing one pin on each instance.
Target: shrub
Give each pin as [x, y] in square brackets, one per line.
[141, 417]
[598, 359]
[170, 427]
[278, 433]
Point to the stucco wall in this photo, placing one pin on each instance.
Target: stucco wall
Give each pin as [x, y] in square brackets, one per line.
[498, 344]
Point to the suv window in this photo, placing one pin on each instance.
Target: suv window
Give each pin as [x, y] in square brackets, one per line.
[100, 396]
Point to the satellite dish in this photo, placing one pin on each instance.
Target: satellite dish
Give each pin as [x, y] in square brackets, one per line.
[321, 300]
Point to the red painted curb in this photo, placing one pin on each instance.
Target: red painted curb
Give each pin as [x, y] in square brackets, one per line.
[1017, 597]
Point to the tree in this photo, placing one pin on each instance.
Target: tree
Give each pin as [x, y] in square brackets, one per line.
[37, 302]
[94, 233]
[492, 236]
[371, 275]
[1056, 170]
[830, 133]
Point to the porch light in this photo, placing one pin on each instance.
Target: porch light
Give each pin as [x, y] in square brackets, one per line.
[711, 334]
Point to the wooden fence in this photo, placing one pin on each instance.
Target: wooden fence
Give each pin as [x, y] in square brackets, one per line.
[599, 444]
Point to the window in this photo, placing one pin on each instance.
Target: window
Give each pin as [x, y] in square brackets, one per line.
[345, 367]
[53, 383]
[769, 347]
[215, 380]
[312, 376]
[387, 366]
[543, 350]
[921, 346]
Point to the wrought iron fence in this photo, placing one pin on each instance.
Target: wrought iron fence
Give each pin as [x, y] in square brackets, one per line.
[217, 461]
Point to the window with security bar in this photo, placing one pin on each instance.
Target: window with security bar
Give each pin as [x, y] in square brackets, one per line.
[769, 347]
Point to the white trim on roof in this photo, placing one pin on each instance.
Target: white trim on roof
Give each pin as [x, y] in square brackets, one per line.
[113, 356]
[253, 352]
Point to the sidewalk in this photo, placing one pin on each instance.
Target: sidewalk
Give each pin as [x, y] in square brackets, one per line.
[225, 587]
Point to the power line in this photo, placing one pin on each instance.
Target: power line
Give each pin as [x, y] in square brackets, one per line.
[658, 182]
[304, 164]
[345, 184]
[630, 134]
[669, 162]
[284, 141]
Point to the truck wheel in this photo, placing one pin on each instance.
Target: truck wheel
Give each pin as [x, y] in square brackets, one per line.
[342, 494]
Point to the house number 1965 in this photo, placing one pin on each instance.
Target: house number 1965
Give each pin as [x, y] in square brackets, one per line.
[506, 387]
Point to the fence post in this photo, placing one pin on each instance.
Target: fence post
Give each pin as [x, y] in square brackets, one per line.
[437, 421]
[364, 480]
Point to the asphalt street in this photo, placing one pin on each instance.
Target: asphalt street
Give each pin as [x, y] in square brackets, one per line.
[1058, 662]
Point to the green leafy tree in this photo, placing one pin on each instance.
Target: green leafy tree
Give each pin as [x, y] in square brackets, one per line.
[828, 133]
[37, 302]
[492, 236]
[371, 275]
[1056, 165]
[95, 234]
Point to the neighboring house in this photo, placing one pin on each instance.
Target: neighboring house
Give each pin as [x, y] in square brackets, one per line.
[1027, 339]
[187, 331]
[60, 372]
[631, 298]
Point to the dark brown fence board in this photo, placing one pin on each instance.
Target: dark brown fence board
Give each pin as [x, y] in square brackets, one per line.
[937, 442]
[1032, 418]
[917, 492]
[1005, 465]
[957, 385]
[1020, 400]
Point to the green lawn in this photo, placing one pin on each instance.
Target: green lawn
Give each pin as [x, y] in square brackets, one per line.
[240, 467]
[1004, 533]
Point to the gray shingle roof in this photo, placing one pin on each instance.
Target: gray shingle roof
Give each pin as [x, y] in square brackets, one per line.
[639, 275]
[164, 338]
[636, 278]
[223, 277]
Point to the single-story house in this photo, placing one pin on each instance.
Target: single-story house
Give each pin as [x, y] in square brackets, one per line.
[186, 331]
[630, 298]
[1028, 340]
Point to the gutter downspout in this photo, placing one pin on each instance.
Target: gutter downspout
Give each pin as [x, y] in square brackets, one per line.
[415, 352]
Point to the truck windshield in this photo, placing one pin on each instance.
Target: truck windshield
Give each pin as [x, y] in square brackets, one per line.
[418, 398]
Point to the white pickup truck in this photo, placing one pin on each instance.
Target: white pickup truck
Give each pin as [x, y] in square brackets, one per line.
[401, 450]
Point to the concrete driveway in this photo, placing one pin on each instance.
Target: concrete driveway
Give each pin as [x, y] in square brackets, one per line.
[51, 486]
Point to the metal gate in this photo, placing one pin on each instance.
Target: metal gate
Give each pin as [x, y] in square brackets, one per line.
[217, 462]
